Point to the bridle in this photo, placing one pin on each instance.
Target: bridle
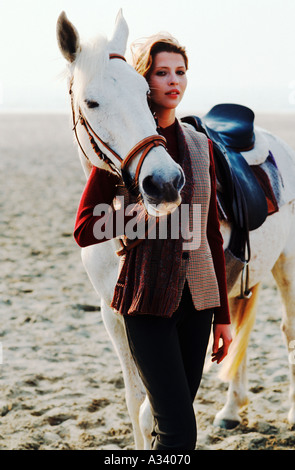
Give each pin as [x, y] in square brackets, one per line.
[144, 146]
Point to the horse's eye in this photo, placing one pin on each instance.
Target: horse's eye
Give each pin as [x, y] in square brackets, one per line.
[92, 104]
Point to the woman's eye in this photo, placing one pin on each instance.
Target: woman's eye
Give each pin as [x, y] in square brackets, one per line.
[162, 73]
[92, 104]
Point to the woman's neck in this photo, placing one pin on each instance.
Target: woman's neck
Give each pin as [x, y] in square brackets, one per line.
[165, 117]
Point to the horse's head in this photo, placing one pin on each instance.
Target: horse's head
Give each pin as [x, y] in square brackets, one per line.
[110, 108]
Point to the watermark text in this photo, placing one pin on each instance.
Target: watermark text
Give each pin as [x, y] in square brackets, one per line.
[183, 223]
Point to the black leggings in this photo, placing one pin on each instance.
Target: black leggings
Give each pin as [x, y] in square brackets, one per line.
[169, 354]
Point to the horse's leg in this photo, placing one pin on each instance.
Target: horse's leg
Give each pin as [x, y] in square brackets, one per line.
[284, 274]
[94, 257]
[134, 389]
[229, 417]
[146, 423]
[242, 317]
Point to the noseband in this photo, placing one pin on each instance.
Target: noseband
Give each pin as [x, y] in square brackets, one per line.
[144, 146]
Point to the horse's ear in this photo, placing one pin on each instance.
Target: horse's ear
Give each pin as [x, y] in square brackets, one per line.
[118, 42]
[67, 38]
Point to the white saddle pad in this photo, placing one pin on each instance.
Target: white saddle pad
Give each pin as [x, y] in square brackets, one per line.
[261, 149]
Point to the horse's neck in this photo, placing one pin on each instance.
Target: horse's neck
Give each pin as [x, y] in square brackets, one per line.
[86, 165]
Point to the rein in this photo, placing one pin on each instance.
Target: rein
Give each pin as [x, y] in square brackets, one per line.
[144, 146]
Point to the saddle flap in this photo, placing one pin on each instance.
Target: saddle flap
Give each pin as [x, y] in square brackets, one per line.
[242, 192]
[233, 123]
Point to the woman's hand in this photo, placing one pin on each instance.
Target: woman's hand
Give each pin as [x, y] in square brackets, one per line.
[220, 332]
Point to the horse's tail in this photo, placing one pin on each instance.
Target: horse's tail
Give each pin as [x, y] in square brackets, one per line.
[245, 313]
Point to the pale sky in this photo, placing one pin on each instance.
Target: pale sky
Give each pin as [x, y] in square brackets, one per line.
[240, 51]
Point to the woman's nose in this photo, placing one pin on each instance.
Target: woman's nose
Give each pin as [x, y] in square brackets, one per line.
[174, 79]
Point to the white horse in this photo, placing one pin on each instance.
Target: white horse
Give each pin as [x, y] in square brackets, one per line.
[112, 97]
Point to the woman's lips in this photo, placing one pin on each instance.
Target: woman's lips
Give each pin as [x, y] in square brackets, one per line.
[173, 94]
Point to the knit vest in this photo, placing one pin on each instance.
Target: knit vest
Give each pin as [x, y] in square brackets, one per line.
[197, 265]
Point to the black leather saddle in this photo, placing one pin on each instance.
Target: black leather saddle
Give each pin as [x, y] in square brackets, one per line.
[231, 129]
[233, 123]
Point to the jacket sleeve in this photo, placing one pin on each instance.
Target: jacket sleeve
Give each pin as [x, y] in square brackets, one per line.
[98, 193]
[215, 240]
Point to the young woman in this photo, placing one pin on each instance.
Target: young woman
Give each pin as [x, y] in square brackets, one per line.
[168, 296]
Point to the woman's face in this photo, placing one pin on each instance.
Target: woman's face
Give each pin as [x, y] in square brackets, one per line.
[167, 80]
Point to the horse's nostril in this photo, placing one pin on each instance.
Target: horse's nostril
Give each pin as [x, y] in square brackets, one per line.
[178, 181]
[160, 190]
[150, 187]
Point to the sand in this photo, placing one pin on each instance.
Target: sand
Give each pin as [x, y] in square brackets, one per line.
[61, 385]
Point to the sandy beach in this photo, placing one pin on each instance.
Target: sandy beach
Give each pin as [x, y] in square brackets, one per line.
[61, 385]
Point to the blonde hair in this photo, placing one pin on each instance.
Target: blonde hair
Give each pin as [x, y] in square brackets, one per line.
[144, 51]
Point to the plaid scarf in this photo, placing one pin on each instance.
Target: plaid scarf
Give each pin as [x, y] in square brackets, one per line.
[148, 280]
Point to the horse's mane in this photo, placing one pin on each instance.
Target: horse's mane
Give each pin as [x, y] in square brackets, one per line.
[90, 64]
